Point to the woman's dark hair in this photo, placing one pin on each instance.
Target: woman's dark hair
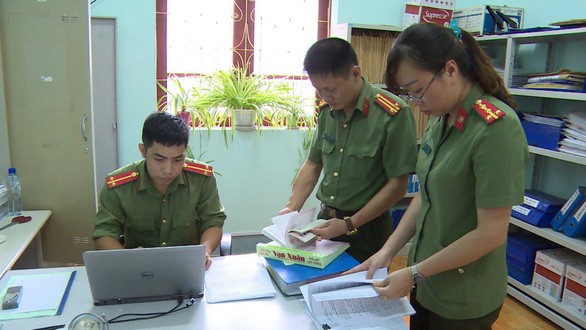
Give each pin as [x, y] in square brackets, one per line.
[330, 56]
[166, 129]
[429, 46]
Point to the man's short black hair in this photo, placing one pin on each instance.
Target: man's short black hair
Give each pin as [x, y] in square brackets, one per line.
[165, 129]
[330, 56]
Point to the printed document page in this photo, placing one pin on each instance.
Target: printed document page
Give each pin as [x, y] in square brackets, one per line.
[350, 302]
[237, 277]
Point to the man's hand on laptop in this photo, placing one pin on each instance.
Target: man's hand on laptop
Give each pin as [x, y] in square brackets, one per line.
[208, 259]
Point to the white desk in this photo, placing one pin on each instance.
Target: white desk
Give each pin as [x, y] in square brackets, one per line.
[280, 312]
[18, 238]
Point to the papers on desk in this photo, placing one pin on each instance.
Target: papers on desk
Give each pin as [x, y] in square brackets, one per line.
[350, 302]
[42, 294]
[237, 277]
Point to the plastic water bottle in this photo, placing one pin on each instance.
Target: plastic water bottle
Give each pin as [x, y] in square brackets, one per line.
[13, 185]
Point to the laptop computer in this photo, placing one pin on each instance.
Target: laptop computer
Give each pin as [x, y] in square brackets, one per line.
[149, 274]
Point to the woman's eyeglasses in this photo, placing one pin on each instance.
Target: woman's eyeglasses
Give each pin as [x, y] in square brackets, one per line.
[404, 94]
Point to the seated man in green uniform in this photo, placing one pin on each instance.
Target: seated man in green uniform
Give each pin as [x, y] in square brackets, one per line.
[365, 145]
[162, 200]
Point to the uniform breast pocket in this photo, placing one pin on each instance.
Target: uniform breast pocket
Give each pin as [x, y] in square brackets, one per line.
[328, 153]
[359, 160]
[186, 230]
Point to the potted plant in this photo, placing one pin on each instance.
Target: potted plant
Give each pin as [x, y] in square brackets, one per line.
[184, 103]
[295, 115]
[243, 101]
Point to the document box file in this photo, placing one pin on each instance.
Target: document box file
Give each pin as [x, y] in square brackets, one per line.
[576, 224]
[568, 209]
[541, 135]
[542, 201]
[521, 250]
[532, 216]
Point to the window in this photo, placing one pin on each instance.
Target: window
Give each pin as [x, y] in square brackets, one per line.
[269, 37]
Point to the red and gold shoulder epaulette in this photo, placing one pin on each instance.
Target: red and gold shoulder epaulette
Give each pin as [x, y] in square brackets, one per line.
[120, 179]
[387, 103]
[321, 104]
[488, 111]
[204, 169]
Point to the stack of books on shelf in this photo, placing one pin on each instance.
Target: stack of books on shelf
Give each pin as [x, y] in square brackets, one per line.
[521, 250]
[295, 257]
[563, 80]
[574, 141]
[538, 208]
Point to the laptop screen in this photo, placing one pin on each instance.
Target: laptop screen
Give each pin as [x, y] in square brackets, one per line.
[145, 274]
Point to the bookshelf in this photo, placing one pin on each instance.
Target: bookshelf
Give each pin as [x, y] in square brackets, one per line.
[554, 172]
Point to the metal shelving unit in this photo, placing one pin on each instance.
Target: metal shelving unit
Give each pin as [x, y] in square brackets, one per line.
[509, 46]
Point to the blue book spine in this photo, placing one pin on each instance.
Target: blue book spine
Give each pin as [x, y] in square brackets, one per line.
[576, 225]
[568, 209]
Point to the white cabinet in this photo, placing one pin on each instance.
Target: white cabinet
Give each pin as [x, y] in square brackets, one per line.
[553, 172]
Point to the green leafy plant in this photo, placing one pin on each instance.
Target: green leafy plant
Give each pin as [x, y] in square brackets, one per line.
[229, 91]
[184, 103]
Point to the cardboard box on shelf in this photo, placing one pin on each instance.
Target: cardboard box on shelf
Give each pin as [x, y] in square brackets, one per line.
[574, 297]
[431, 11]
[479, 20]
[550, 270]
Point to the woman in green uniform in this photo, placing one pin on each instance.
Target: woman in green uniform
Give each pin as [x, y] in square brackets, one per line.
[471, 165]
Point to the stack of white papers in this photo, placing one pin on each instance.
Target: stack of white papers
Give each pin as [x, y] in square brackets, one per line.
[575, 135]
[350, 302]
[239, 278]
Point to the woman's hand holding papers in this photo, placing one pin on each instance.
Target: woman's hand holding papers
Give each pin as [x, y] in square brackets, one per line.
[396, 285]
[378, 260]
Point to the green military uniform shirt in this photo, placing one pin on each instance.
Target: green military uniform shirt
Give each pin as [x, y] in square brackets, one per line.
[149, 218]
[361, 153]
[479, 162]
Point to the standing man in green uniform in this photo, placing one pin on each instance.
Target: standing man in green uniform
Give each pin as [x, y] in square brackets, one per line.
[471, 167]
[162, 200]
[366, 146]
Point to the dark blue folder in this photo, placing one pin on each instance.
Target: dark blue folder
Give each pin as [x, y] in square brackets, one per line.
[543, 202]
[568, 209]
[290, 277]
[532, 215]
[576, 224]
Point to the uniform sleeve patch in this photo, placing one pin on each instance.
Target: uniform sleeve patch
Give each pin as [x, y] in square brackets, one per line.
[488, 111]
[120, 179]
[203, 169]
[387, 103]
